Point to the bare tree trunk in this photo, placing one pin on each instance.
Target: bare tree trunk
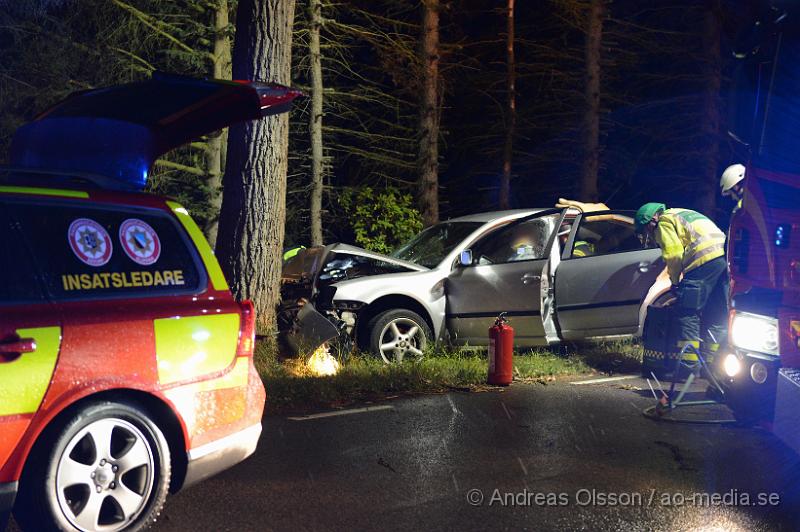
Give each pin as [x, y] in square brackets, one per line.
[710, 123]
[591, 145]
[315, 123]
[428, 158]
[251, 225]
[505, 183]
[215, 156]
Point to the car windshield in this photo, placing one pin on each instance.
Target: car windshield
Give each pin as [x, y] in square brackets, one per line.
[433, 244]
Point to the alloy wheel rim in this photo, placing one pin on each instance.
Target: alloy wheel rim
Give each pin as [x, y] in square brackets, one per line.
[399, 338]
[105, 476]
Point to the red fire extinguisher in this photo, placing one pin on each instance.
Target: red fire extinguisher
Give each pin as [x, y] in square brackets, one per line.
[501, 350]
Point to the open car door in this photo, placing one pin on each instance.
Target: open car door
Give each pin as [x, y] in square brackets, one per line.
[503, 277]
[118, 132]
[596, 284]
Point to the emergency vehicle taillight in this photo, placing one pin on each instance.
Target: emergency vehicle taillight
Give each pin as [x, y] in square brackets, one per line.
[247, 330]
[782, 235]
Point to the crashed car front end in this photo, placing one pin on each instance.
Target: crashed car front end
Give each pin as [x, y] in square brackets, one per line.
[310, 314]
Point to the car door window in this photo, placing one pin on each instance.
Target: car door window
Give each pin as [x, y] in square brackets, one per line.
[605, 234]
[19, 275]
[517, 242]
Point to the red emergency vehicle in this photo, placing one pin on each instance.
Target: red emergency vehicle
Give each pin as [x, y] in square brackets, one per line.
[764, 236]
[126, 365]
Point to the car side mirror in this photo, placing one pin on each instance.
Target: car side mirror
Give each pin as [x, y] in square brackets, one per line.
[465, 257]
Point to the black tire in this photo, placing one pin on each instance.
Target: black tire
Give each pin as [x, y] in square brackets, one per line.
[381, 333]
[125, 484]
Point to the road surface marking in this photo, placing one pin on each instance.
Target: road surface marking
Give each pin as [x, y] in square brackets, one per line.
[505, 409]
[453, 405]
[607, 379]
[455, 483]
[341, 413]
[524, 469]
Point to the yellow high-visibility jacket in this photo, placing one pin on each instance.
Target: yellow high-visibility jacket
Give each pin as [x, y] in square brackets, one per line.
[687, 240]
[582, 248]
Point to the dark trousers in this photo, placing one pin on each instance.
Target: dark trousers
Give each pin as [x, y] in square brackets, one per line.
[702, 306]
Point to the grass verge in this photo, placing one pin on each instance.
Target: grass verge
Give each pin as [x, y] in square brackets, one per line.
[364, 378]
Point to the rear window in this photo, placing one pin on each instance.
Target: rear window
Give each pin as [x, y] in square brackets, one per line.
[91, 251]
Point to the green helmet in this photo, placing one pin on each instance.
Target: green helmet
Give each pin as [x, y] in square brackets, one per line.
[646, 213]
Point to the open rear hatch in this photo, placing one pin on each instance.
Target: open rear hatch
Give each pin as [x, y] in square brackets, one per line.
[118, 132]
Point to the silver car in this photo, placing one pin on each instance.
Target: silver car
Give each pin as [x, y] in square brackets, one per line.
[559, 274]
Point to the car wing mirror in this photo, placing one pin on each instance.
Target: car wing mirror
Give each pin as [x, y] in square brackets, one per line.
[465, 258]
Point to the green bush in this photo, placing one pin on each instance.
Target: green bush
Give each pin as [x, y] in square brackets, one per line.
[381, 219]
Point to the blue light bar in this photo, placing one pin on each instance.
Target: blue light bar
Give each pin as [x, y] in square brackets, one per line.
[122, 151]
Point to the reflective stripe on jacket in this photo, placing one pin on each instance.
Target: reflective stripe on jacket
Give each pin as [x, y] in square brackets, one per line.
[582, 248]
[687, 240]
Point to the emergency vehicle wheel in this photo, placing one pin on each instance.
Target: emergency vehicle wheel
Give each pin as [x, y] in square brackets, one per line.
[109, 470]
[397, 334]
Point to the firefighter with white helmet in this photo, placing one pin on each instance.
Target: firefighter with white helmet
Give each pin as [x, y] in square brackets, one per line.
[731, 184]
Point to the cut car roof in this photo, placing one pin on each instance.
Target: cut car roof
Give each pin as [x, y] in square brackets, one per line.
[485, 217]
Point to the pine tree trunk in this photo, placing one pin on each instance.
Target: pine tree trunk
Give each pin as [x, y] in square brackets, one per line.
[215, 156]
[315, 123]
[505, 183]
[710, 122]
[591, 145]
[428, 158]
[251, 225]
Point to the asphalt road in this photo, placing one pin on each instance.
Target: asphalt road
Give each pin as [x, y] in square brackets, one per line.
[559, 456]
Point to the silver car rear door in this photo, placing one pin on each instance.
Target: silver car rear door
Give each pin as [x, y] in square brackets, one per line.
[504, 277]
[603, 276]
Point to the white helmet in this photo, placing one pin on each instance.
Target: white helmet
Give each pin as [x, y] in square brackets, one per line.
[730, 177]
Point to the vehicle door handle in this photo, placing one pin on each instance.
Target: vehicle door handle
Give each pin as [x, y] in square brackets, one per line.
[644, 266]
[529, 278]
[18, 346]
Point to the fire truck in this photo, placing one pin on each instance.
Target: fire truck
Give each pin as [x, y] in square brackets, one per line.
[764, 236]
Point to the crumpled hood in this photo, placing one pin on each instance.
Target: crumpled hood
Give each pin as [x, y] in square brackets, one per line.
[307, 264]
[346, 248]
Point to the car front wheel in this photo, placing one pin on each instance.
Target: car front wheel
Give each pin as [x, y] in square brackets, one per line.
[108, 470]
[397, 334]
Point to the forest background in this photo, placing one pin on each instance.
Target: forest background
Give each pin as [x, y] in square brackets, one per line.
[417, 110]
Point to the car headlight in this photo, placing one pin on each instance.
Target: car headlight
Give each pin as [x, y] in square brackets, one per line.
[754, 332]
[732, 365]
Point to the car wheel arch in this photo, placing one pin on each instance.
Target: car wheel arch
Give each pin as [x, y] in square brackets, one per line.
[161, 413]
[383, 304]
[659, 300]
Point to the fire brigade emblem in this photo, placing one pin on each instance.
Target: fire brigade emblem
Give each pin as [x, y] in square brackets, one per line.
[90, 242]
[139, 241]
